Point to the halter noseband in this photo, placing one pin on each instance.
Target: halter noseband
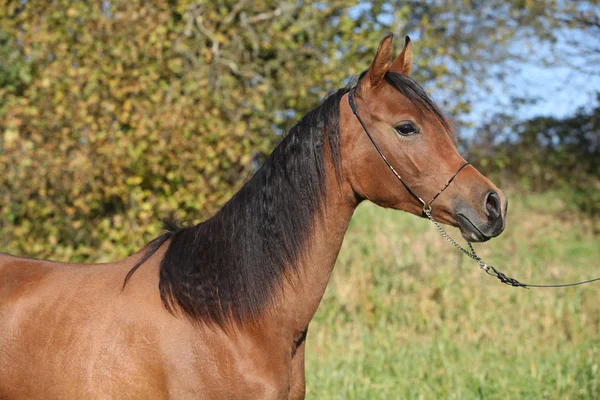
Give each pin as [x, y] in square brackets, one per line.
[426, 205]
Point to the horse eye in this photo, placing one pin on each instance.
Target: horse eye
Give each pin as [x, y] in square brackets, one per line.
[407, 129]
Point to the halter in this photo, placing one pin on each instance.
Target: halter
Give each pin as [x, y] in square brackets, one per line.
[490, 270]
[426, 206]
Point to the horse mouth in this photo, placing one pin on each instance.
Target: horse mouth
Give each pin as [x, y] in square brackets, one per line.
[470, 231]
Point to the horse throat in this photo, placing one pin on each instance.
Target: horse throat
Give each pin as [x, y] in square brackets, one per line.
[301, 295]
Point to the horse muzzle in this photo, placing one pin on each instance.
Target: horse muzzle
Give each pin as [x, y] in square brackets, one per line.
[483, 222]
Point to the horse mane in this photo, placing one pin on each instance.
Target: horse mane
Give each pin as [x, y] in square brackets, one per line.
[226, 268]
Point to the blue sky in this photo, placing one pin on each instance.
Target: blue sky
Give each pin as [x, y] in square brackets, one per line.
[559, 90]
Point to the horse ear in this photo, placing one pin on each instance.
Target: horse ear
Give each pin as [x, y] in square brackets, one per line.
[381, 62]
[403, 64]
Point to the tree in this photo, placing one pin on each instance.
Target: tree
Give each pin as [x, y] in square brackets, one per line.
[545, 153]
[117, 113]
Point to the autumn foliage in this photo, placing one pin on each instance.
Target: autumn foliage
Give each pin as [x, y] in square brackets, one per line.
[117, 114]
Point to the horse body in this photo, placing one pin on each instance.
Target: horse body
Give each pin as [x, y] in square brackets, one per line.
[69, 332]
[70, 325]
[221, 310]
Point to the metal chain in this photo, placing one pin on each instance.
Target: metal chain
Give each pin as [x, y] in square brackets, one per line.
[490, 270]
[473, 255]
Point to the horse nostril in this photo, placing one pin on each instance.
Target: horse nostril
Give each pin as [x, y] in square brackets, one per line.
[492, 205]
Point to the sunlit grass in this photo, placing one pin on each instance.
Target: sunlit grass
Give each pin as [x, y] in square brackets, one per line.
[405, 316]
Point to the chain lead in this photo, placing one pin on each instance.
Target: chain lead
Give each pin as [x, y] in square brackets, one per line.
[472, 254]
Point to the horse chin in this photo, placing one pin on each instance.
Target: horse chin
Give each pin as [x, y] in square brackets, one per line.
[474, 237]
[469, 230]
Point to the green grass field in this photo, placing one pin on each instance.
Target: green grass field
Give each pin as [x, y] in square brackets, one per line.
[405, 316]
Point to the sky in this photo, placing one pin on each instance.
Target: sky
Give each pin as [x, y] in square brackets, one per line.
[558, 90]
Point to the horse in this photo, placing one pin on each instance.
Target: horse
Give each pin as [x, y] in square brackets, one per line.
[221, 309]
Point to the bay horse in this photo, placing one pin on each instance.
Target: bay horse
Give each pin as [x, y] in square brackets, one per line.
[220, 310]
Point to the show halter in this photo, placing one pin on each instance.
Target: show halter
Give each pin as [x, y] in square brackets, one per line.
[490, 270]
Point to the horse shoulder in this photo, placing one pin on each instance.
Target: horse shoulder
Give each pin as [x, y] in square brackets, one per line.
[205, 361]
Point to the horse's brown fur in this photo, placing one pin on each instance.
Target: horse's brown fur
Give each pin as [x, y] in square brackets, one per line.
[70, 331]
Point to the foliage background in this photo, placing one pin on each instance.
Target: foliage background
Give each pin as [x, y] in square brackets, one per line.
[115, 114]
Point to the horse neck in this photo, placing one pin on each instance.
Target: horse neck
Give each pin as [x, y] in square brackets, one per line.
[300, 297]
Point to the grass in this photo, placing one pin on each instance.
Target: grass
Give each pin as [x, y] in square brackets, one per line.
[406, 316]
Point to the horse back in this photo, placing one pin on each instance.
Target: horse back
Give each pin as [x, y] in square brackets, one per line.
[20, 275]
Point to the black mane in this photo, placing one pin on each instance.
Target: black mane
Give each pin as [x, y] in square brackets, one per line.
[227, 267]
